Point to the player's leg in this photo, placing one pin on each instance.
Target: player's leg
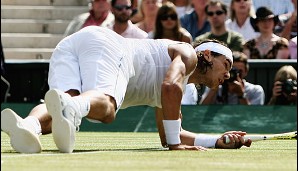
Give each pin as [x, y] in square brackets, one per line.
[64, 76]
[94, 72]
[45, 121]
[102, 107]
[24, 133]
[67, 113]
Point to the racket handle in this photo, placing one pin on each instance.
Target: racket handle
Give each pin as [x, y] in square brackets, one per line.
[227, 140]
[246, 137]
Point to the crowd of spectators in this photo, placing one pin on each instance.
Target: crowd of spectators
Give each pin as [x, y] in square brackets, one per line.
[253, 29]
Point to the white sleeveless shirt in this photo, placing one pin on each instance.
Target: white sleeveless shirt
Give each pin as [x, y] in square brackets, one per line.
[151, 62]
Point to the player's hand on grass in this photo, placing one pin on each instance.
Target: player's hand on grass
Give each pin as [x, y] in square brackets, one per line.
[186, 147]
[236, 140]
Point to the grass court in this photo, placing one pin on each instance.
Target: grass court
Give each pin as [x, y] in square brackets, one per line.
[128, 151]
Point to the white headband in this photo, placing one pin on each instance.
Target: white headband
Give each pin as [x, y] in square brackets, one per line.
[216, 47]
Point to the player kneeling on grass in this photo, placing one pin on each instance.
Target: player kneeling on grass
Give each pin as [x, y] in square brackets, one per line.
[94, 72]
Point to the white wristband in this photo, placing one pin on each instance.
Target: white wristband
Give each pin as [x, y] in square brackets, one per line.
[172, 131]
[204, 140]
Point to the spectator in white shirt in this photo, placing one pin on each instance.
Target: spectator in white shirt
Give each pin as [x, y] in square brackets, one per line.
[240, 12]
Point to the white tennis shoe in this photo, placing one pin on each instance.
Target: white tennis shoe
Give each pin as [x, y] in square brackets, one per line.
[23, 139]
[66, 119]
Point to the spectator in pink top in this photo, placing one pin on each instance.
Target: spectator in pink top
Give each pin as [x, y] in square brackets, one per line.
[99, 15]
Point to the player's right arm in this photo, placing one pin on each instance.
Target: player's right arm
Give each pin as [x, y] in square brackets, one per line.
[169, 119]
[185, 138]
[184, 62]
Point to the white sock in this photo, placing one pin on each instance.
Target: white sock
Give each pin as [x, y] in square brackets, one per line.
[34, 124]
[83, 103]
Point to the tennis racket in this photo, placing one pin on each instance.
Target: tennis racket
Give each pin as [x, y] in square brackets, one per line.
[282, 136]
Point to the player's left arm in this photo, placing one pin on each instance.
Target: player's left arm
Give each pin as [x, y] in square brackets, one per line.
[159, 124]
[186, 137]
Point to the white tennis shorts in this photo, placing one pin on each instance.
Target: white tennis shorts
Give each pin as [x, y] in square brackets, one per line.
[91, 60]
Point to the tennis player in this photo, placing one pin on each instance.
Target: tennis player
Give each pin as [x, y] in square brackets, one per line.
[95, 72]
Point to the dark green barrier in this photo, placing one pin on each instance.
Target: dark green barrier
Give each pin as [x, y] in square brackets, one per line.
[205, 119]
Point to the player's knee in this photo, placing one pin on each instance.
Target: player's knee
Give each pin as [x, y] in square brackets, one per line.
[102, 117]
[109, 118]
[103, 109]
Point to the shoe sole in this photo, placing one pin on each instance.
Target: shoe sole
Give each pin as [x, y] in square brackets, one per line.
[21, 139]
[62, 131]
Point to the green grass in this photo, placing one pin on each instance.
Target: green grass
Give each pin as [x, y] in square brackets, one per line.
[142, 151]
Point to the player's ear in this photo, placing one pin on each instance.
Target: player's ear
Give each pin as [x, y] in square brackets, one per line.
[207, 55]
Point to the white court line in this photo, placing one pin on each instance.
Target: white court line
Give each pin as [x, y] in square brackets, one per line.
[141, 120]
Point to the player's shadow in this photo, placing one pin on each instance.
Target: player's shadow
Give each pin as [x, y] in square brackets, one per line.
[106, 150]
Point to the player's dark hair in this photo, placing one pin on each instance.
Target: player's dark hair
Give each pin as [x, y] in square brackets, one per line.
[203, 64]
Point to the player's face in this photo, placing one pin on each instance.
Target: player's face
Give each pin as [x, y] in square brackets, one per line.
[219, 72]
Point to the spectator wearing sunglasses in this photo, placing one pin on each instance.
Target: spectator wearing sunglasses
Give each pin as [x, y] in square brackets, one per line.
[98, 15]
[122, 10]
[236, 90]
[216, 11]
[240, 13]
[167, 26]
